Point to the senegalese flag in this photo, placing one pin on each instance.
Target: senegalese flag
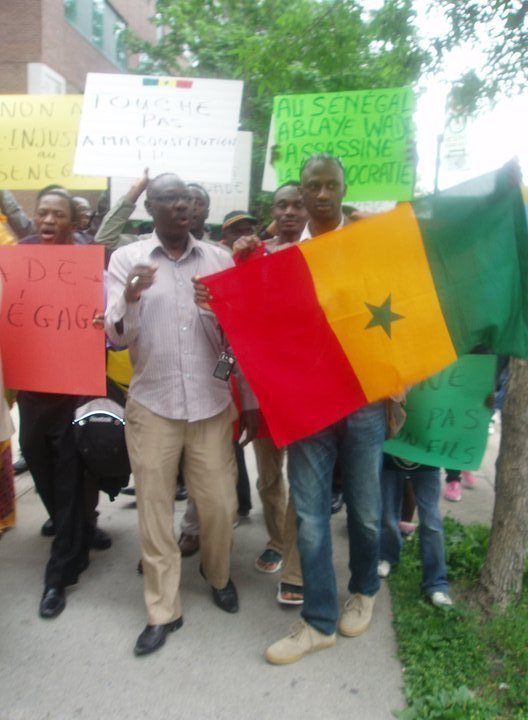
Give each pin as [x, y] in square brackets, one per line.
[359, 314]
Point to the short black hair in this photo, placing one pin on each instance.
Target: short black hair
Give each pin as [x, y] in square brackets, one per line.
[290, 183]
[325, 157]
[204, 192]
[60, 192]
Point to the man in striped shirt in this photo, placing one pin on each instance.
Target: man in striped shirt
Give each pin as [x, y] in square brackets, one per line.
[175, 403]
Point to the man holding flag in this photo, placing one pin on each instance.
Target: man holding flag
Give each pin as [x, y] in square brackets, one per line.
[357, 441]
[371, 308]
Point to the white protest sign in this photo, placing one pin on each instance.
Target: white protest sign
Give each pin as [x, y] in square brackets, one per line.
[130, 122]
[233, 195]
[225, 197]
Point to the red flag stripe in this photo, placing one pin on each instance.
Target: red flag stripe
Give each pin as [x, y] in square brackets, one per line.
[314, 392]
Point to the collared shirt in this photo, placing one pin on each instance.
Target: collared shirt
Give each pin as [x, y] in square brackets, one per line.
[173, 345]
[307, 234]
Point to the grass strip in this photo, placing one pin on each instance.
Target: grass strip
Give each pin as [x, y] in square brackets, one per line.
[457, 666]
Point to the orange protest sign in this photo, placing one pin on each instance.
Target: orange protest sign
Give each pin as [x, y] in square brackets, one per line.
[48, 341]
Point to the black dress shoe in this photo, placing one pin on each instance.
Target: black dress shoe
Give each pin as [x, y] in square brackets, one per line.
[20, 465]
[153, 636]
[226, 598]
[52, 603]
[101, 540]
[48, 528]
[337, 502]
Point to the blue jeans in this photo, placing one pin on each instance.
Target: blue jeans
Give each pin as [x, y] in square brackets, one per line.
[426, 486]
[357, 441]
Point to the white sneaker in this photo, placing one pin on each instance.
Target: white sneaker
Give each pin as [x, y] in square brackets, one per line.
[384, 568]
[441, 599]
[357, 615]
[303, 639]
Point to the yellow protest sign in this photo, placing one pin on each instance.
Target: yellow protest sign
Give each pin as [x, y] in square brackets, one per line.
[38, 136]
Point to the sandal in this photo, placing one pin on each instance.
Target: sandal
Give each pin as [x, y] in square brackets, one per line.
[290, 594]
[269, 562]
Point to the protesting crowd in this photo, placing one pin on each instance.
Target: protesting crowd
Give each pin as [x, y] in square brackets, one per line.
[188, 412]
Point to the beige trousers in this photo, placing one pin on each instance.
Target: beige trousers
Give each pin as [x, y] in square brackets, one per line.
[154, 445]
[279, 514]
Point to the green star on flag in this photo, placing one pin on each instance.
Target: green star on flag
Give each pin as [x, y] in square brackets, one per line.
[383, 316]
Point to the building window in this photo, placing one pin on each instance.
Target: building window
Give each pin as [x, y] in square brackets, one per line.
[99, 23]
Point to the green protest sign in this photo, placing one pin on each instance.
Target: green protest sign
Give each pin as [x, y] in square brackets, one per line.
[447, 420]
[371, 131]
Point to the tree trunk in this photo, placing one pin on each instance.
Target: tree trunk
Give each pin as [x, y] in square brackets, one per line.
[501, 577]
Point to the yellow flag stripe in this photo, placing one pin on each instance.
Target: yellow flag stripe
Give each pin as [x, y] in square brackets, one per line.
[379, 261]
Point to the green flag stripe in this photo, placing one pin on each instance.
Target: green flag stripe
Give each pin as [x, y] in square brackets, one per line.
[477, 248]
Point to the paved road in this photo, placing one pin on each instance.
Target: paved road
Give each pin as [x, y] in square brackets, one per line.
[80, 666]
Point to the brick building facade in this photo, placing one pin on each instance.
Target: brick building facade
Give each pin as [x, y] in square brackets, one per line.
[48, 46]
[66, 36]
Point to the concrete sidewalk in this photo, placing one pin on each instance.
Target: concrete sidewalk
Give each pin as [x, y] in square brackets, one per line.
[80, 666]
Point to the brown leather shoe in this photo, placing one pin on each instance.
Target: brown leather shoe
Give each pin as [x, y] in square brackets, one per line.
[189, 544]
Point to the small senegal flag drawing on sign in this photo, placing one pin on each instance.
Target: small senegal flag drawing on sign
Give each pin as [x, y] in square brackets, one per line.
[359, 314]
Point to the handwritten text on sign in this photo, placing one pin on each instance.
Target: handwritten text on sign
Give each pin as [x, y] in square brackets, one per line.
[131, 122]
[38, 135]
[224, 197]
[370, 131]
[447, 420]
[50, 296]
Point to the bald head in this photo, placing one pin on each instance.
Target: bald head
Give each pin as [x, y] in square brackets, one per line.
[160, 181]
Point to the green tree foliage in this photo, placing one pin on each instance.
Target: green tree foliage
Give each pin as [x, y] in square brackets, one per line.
[302, 46]
[498, 28]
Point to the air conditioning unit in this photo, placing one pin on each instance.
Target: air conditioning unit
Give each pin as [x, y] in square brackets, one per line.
[42, 80]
